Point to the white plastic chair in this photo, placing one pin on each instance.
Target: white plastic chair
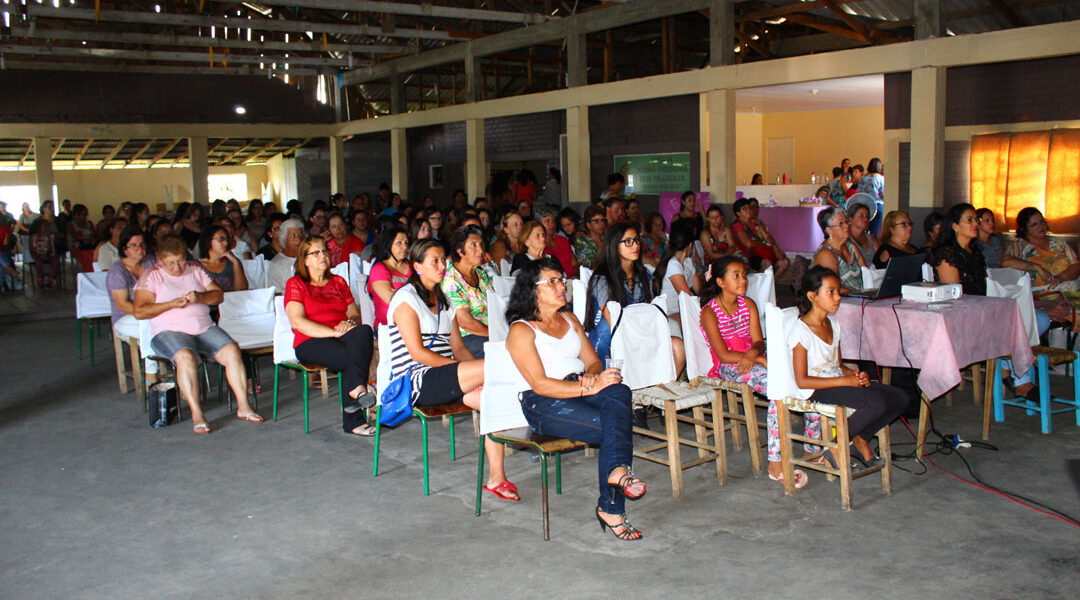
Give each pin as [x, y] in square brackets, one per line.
[255, 271]
[342, 270]
[97, 266]
[358, 286]
[585, 274]
[497, 325]
[761, 288]
[927, 272]
[642, 340]
[248, 317]
[285, 356]
[580, 296]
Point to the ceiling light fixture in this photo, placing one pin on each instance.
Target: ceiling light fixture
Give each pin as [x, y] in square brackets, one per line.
[240, 110]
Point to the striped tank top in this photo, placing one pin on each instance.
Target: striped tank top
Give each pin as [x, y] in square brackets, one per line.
[734, 329]
[434, 332]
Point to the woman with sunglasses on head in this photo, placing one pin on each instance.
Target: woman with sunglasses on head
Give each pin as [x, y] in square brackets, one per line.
[570, 395]
[838, 253]
[327, 329]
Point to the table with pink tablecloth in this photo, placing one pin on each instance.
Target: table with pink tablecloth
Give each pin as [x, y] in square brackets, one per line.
[939, 339]
[794, 228]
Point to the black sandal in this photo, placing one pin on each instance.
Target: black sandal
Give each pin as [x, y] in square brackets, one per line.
[628, 480]
[628, 531]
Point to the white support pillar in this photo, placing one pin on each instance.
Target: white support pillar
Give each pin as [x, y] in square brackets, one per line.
[722, 146]
[578, 155]
[399, 161]
[577, 63]
[475, 158]
[927, 178]
[200, 170]
[337, 165]
[721, 33]
[43, 169]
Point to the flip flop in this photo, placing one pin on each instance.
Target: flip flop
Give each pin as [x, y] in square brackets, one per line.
[202, 429]
[800, 478]
[502, 488]
[250, 417]
[370, 431]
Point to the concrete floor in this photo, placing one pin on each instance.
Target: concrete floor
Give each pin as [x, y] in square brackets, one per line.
[95, 504]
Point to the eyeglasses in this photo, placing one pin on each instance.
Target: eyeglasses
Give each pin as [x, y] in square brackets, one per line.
[907, 224]
[628, 242]
[176, 264]
[598, 220]
[133, 245]
[968, 220]
[552, 281]
[318, 252]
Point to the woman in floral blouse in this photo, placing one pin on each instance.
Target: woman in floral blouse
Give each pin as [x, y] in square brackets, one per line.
[466, 286]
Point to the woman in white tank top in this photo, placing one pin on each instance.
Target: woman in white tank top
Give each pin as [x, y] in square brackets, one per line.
[571, 396]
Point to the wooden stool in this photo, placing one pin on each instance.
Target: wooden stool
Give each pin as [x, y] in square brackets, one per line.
[735, 392]
[424, 413]
[672, 398]
[546, 446]
[838, 415]
[136, 372]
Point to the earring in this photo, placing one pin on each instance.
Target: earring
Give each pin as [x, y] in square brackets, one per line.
[419, 272]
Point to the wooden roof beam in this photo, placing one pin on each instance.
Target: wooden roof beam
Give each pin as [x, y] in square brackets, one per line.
[29, 151]
[233, 154]
[112, 154]
[195, 57]
[82, 151]
[260, 151]
[857, 26]
[425, 9]
[59, 145]
[1007, 12]
[162, 154]
[294, 147]
[139, 153]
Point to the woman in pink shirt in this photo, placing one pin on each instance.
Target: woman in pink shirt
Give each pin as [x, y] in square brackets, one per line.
[390, 271]
[176, 296]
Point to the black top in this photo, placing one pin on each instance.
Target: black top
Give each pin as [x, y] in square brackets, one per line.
[267, 252]
[191, 237]
[880, 263]
[970, 263]
[520, 260]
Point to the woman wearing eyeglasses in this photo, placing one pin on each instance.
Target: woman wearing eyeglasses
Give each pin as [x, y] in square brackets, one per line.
[570, 396]
[838, 252]
[587, 246]
[121, 282]
[176, 296]
[327, 329]
[222, 265]
[895, 238]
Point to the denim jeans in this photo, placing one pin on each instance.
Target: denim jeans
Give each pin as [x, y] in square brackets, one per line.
[605, 418]
[600, 337]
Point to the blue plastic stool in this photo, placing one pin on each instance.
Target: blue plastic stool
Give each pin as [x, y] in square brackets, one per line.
[1044, 357]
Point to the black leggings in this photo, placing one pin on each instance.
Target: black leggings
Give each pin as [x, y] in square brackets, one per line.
[875, 406]
[349, 354]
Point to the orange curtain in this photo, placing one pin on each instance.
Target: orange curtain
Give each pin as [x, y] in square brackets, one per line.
[1010, 172]
[990, 172]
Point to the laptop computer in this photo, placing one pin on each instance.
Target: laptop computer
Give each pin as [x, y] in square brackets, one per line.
[901, 270]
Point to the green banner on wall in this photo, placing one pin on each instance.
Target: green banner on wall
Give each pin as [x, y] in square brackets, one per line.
[655, 173]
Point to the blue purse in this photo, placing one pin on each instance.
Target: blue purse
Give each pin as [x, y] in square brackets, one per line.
[396, 399]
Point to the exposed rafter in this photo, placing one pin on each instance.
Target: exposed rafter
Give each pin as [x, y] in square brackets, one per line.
[260, 151]
[59, 145]
[135, 156]
[121, 67]
[1007, 12]
[149, 18]
[29, 151]
[233, 154]
[112, 154]
[294, 147]
[162, 154]
[426, 9]
[82, 151]
[196, 57]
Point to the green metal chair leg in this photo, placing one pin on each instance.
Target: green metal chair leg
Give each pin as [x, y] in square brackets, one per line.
[78, 337]
[306, 414]
[424, 432]
[544, 492]
[480, 475]
[453, 446]
[277, 372]
[558, 473]
[378, 434]
[340, 394]
[91, 343]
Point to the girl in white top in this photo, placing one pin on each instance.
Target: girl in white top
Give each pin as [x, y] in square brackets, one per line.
[570, 396]
[426, 343]
[677, 272]
[820, 377]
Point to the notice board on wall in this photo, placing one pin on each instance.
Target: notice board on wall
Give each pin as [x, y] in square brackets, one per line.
[655, 173]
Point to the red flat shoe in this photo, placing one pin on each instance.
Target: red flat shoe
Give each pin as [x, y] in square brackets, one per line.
[502, 489]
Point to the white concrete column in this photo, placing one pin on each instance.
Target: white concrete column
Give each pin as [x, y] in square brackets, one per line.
[577, 64]
[722, 146]
[399, 161]
[927, 178]
[475, 159]
[42, 170]
[578, 155]
[200, 170]
[721, 33]
[337, 165]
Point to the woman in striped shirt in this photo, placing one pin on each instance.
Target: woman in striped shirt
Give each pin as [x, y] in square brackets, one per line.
[426, 343]
[729, 322]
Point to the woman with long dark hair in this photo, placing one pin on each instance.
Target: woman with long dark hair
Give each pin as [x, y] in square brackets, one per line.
[390, 271]
[676, 272]
[955, 257]
[570, 395]
[222, 265]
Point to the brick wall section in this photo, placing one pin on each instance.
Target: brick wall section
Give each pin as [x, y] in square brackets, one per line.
[644, 127]
[532, 137]
[436, 145]
[367, 164]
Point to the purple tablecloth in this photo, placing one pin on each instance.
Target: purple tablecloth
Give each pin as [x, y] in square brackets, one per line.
[795, 228]
[940, 342]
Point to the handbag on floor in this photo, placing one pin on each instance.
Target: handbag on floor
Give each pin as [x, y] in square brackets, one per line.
[163, 404]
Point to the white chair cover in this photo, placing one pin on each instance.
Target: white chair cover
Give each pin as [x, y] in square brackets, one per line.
[356, 267]
[497, 325]
[364, 301]
[585, 274]
[283, 334]
[97, 265]
[92, 297]
[579, 296]
[248, 317]
[499, 405]
[366, 265]
[342, 270]
[698, 356]
[144, 338]
[503, 285]
[643, 341]
[504, 268]
[382, 370]
[255, 271]
[872, 278]
[761, 288]
[1015, 284]
[781, 372]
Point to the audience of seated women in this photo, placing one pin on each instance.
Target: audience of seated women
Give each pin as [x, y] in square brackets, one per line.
[426, 344]
[327, 330]
[467, 285]
[221, 264]
[570, 395]
[820, 377]
[730, 323]
[390, 271]
[895, 238]
[837, 253]
[121, 282]
[176, 296]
